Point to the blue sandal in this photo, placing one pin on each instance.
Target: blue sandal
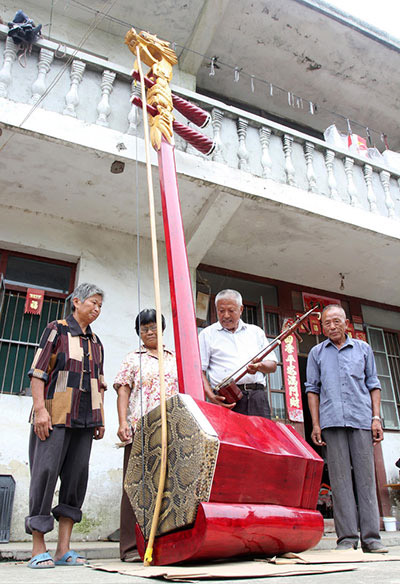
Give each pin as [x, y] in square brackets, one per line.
[70, 559]
[37, 561]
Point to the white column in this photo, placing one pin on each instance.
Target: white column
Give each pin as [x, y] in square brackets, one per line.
[385, 180]
[216, 119]
[309, 156]
[104, 108]
[39, 86]
[134, 112]
[242, 153]
[10, 54]
[351, 187]
[370, 191]
[72, 97]
[329, 160]
[289, 168]
[266, 162]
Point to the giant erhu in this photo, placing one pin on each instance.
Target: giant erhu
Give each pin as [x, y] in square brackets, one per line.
[234, 485]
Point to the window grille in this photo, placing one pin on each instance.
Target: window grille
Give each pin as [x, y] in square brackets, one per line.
[386, 353]
[393, 352]
[19, 337]
[275, 384]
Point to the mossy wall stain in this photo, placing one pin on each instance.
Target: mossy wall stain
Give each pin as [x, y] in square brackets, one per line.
[86, 525]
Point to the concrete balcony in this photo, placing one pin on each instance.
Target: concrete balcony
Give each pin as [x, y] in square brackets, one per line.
[261, 174]
[97, 92]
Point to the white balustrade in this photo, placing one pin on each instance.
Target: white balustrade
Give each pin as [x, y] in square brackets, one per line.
[242, 153]
[134, 112]
[368, 172]
[266, 161]
[385, 180]
[216, 119]
[10, 54]
[351, 187]
[289, 168]
[72, 97]
[329, 161]
[104, 108]
[252, 131]
[309, 156]
[39, 86]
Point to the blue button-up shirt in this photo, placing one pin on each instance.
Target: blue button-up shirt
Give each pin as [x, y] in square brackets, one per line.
[343, 379]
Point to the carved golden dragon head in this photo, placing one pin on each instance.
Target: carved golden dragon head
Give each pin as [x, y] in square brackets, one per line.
[154, 52]
[158, 55]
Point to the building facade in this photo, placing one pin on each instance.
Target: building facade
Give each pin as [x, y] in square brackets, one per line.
[275, 212]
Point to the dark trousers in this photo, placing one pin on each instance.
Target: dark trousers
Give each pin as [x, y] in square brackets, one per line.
[253, 403]
[347, 448]
[65, 454]
[127, 536]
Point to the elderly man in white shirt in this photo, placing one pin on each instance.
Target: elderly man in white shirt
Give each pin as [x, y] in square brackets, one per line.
[229, 343]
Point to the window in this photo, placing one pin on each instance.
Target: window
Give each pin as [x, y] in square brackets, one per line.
[393, 352]
[19, 332]
[387, 356]
[275, 384]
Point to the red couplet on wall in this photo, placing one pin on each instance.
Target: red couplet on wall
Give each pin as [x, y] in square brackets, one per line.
[292, 379]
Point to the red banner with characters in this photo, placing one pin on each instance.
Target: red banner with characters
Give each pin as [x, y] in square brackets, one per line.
[292, 378]
[311, 300]
[34, 301]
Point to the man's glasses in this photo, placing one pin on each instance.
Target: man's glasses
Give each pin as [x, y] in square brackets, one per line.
[146, 329]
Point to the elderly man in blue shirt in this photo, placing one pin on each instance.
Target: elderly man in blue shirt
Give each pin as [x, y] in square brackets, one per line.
[344, 399]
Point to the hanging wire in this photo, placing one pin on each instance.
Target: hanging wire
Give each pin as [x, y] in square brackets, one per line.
[93, 25]
[313, 108]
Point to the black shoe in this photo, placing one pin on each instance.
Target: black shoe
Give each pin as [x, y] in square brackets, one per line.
[345, 545]
[375, 548]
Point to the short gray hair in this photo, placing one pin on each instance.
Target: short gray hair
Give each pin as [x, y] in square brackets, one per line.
[84, 291]
[234, 294]
[330, 306]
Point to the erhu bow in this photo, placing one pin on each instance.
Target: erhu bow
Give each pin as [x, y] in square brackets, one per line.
[228, 388]
[234, 485]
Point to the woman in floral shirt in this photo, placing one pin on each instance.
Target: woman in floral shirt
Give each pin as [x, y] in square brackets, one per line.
[138, 386]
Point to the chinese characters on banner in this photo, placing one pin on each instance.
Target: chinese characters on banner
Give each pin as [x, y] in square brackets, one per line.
[34, 301]
[311, 300]
[292, 379]
[354, 330]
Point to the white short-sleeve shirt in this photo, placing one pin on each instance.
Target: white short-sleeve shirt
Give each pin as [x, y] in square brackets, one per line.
[223, 352]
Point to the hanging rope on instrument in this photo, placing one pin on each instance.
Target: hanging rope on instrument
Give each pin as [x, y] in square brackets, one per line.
[163, 464]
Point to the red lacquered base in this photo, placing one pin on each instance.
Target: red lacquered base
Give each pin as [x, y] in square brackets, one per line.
[228, 530]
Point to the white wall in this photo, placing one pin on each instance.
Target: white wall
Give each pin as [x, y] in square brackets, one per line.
[107, 258]
[391, 453]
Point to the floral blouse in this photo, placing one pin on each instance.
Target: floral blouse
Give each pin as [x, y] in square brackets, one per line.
[129, 374]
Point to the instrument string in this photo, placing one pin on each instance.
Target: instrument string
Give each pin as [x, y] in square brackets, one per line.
[139, 311]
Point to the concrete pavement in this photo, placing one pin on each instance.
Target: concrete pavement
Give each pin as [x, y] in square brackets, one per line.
[13, 569]
[387, 572]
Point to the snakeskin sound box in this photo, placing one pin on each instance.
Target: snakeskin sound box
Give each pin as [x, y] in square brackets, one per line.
[263, 471]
